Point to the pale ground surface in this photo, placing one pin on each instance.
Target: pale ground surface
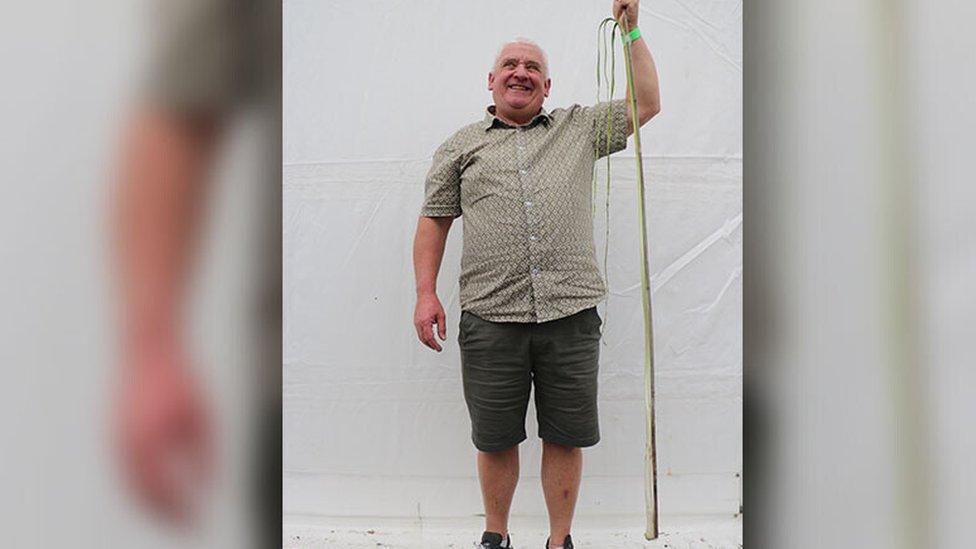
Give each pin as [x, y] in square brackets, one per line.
[527, 533]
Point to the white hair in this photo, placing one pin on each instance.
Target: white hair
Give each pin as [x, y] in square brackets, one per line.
[527, 42]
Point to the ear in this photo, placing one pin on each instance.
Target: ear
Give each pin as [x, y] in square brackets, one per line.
[491, 80]
[548, 85]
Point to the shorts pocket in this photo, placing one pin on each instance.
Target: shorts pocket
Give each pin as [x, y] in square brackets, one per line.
[464, 326]
[590, 322]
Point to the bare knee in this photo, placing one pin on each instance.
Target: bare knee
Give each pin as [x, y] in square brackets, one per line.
[560, 448]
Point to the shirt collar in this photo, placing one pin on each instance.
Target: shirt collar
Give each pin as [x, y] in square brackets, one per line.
[491, 119]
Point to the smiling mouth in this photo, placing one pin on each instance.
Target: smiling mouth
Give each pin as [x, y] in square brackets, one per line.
[519, 87]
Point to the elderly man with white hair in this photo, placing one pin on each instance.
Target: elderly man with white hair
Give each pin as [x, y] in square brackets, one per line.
[529, 281]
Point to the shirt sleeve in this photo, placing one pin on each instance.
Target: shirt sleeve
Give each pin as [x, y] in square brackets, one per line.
[610, 125]
[199, 59]
[442, 189]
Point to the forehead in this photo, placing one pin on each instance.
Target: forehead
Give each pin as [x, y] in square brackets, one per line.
[522, 52]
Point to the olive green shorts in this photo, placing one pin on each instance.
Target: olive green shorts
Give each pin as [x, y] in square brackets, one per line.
[501, 361]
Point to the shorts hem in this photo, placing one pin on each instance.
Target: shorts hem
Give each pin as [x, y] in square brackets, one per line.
[498, 447]
[572, 443]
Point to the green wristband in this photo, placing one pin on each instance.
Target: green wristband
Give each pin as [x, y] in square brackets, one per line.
[634, 34]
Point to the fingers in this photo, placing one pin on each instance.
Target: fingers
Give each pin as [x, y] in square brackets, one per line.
[426, 334]
[429, 312]
[168, 465]
[147, 475]
[620, 7]
[165, 441]
[441, 325]
[430, 341]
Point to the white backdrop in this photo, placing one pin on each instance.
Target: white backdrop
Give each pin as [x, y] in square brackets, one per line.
[374, 423]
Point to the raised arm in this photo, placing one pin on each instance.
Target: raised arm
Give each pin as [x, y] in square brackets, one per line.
[645, 73]
[428, 251]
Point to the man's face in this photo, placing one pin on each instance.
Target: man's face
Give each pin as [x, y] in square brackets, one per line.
[519, 81]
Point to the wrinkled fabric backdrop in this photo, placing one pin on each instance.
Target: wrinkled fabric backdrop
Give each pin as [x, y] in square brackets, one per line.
[375, 423]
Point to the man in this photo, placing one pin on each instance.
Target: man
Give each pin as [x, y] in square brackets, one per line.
[529, 279]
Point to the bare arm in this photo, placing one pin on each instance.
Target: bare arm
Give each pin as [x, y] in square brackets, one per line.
[161, 190]
[428, 251]
[645, 72]
[159, 195]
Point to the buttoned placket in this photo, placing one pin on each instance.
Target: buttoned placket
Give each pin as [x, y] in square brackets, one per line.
[531, 217]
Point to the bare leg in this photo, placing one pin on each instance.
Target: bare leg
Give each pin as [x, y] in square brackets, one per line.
[562, 467]
[499, 473]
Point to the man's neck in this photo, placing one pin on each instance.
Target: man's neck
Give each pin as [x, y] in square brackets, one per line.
[515, 118]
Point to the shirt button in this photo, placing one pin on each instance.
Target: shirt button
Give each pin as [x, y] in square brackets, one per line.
[533, 237]
[523, 172]
[528, 204]
[520, 147]
[535, 271]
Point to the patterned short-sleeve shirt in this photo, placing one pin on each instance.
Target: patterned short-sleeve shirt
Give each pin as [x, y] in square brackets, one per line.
[524, 194]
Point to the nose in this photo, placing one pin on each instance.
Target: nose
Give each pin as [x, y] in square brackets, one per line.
[520, 71]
